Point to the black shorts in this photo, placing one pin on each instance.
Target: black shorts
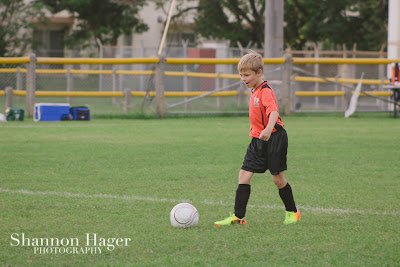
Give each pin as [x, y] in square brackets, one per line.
[267, 155]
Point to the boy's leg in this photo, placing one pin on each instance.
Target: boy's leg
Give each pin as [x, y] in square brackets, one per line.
[285, 191]
[251, 162]
[242, 193]
[241, 199]
[286, 194]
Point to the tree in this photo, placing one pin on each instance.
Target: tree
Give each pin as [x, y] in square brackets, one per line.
[99, 19]
[15, 27]
[314, 21]
[373, 25]
[235, 20]
[336, 22]
[333, 23]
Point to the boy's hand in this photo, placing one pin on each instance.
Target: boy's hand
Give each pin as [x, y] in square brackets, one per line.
[265, 134]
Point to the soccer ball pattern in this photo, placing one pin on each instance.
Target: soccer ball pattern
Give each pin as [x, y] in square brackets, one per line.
[184, 215]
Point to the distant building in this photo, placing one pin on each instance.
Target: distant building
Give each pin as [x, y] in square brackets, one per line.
[50, 35]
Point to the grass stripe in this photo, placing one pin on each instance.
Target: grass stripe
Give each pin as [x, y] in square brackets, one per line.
[207, 202]
[66, 125]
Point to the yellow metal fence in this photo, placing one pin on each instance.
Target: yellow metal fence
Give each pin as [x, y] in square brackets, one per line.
[68, 70]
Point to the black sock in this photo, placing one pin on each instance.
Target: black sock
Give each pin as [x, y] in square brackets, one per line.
[287, 198]
[242, 197]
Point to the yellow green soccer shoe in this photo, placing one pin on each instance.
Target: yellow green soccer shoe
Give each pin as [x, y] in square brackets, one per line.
[232, 219]
[292, 217]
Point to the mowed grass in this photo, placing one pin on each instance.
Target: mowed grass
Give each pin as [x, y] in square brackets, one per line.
[121, 178]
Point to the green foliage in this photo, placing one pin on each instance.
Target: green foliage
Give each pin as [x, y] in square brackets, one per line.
[327, 21]
[99, 19]
[15, 27]
[234, 20]
[373, 24]
[315, 21]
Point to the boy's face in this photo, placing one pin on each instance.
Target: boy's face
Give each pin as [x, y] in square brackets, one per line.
[250, 77]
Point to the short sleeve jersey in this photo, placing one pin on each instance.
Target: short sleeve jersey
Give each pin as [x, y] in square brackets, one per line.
[262, 103]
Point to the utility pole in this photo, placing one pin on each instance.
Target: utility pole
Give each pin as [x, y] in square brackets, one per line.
[273, 41]
[393, 32]
[273, 30]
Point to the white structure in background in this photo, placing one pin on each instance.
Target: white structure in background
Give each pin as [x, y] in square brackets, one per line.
[155, 18]
[393, 32]
[50, 35]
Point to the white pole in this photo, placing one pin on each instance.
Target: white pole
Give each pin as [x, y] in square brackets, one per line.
[166, 28]
[273, 39]
[101, 55]
[273, 29]
[393, 32]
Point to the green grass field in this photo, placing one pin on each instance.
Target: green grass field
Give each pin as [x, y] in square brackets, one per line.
[120, 179]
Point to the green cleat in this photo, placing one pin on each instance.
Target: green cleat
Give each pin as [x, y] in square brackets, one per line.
[292, 217]
[232, 219]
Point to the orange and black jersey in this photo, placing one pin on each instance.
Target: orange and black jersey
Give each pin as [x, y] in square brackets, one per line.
[262, 103]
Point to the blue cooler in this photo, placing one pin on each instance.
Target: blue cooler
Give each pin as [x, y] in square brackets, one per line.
[80, 113]
[51, 112]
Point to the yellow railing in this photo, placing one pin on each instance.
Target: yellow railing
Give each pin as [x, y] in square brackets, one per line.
[119, 94]
[12, 70]
[14, 60]
[96, 61]
[340, 80]
[181, 61]
[155, 60]
[183, 94]
[354, 61]
[191, 74]
[152, 60]
[339, 93]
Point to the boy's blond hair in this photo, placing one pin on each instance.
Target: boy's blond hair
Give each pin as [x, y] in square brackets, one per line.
[251, 61]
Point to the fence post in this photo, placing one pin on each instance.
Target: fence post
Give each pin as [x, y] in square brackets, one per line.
[381, 71]
[19, 83]
[347, 97]
[335, 100]
[240, 95]
[316, 72]
[142, 54]
[114, 84]
[127, 100]
[160, 88]
[101, 55]
[9, 95]
[218, 84]
[186, 86]
[185, 70]
[286, 84]
[30, 85]
[70, 82]
[120, 76]
[347, 71]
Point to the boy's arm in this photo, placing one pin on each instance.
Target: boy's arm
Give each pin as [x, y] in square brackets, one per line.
[266, 133]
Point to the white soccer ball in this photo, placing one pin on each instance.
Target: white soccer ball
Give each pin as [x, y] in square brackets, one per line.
[184, 215]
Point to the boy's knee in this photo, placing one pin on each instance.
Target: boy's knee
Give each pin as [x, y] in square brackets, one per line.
[245, 177]
[279, 180]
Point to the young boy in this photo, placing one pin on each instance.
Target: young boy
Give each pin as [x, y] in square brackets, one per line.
[268, 147]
